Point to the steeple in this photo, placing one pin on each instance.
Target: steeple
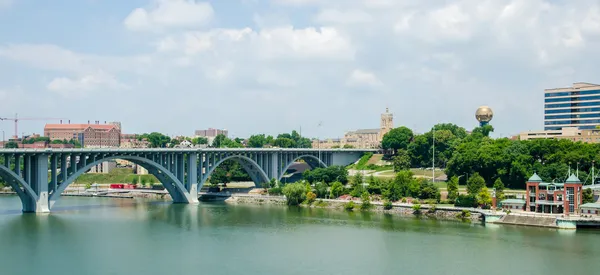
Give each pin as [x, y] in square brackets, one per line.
[387, 122]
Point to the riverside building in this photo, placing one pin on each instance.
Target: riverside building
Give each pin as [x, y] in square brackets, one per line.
[577, 106]
[553, 197]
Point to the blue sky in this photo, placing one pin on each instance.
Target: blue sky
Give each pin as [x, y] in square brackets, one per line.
[272, 66]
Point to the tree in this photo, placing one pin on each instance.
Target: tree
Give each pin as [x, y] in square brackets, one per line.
[429, 191]
[357, 185]
[499, 187]
[588, 195]
[397, 188]
[11, 145]
[257, 141]
[199, 140]
[475, 184]
[452, 188]
[397, 138]
[144, 181]
[484, 198]
[156, 140]
[337, 189]
[321, 190]
[295, 193]
[134, 180]
[348, 146]
[218, 141]
[401, 161]
[484, 130]
[366, 201]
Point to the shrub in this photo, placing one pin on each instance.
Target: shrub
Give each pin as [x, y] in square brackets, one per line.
[88, 186]
[431, 201]
[321, 190]
[464, 214]
[431, 209]
[387, 205]
[366, 201]
[310, 197]
[276, 191]
[321, 203]
[295, 193]
[416, 209]
[349, 206]
[404, 200]
[466, 201]
[337, 189]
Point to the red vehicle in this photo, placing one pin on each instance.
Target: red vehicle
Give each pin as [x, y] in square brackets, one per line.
[117, 186]
[130, 186]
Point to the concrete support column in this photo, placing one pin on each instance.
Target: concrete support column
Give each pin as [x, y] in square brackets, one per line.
[274, 166]
[191, 182]
[53, 172]
[180, 167]
[63, 167]
[7, 161]
[27, 168]
[73, 167]
[39, 183]
[18, 165]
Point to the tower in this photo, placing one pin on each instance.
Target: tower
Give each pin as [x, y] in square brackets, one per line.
[387, 123]
[484, 115]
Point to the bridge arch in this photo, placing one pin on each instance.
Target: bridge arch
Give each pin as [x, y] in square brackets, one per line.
[16, 182]
[175, 187]
[287, 166]
[249, 165]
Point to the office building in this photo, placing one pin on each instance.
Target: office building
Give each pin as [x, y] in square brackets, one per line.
[89, 135]
[577, 106]
[570, 133]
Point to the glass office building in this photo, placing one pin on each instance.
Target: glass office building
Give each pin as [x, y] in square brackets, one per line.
[577, 106]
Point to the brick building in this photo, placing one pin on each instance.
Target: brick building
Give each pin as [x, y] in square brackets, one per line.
[89, 135]
[551, 197]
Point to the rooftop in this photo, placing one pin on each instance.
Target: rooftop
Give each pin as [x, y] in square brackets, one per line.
[591, 205]
[513, 201]
[78, 126]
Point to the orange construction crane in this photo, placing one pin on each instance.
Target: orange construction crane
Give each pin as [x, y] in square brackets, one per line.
[17, 118]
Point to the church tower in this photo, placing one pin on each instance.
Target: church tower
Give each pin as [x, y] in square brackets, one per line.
[387, 123]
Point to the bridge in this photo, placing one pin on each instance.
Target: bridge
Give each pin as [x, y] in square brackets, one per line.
[39, 176]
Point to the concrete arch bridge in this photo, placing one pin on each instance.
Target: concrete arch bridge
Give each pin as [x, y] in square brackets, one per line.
[39, 176]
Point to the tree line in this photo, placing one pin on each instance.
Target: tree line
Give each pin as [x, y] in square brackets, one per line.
[463, 154]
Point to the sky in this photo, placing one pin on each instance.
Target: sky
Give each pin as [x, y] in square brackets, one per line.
[272, 66]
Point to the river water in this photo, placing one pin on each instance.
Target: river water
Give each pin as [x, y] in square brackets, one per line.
[118, 236]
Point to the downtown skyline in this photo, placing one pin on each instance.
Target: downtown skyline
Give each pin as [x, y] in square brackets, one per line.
[275, 66]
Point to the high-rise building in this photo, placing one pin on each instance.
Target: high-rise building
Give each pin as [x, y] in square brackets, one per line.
[210, 132]
[577, 106]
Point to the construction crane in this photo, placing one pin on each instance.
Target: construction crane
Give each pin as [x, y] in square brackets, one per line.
[17, 118]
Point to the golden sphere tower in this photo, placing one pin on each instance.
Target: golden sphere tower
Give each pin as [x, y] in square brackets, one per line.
[484, 115]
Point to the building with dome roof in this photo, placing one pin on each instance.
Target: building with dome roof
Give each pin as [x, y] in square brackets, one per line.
[553, 197]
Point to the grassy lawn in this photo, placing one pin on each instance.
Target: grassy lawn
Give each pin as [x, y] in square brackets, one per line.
[117, 175]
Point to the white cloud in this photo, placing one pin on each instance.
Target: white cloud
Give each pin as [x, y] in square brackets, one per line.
[85, 84]
[170, 14]
[360, 77]
[343, 17]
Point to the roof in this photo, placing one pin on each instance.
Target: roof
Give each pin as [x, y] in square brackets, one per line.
[552, 183]
[365, 131]
[519, 201]
[590, 205]
[78, 126]
[573, 179]
[535, 178]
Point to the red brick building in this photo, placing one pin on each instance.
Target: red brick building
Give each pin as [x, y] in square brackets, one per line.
[551, 197]
[89, 135]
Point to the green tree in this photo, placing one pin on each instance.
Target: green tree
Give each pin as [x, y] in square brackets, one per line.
[366, 201]
[401, 161]
[134, 180]
[429, 191]
[475, 184]
[588, 195]
[348, 146]
[219, 141]
[156, 140]
[337, 189]
[484, 198]
[452, 188]
[499, 187]
[357, 185]
[295, 193]
[257, 141]
[144, 181]
[11, 145]
[397, 138]
[199, 140]
[321, 190]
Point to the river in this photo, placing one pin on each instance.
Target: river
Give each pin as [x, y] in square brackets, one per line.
[119, 236]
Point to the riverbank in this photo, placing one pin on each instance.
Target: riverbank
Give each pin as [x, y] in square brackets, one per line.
[433, 211]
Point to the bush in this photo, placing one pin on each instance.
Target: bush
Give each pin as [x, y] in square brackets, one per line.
[349, 206]
[466, 201]
[387, 205]
[321, 190]
[88, 186]
[310, 197]
[464, 214]
[337, 189]
[321, 203]
[431, 201]
[431, 209]
[275, 191]
[295, 193]
[416, 209]
[403, 200]
[366, 201]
